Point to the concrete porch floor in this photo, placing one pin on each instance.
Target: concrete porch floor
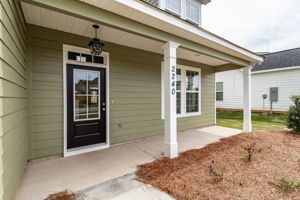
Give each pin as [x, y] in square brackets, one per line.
[53, 174]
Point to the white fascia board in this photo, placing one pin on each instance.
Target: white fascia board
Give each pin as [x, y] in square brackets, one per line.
[275, 70]
[179, 23]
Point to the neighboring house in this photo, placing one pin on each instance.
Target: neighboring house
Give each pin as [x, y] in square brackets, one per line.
[280, 72]
[60, 97]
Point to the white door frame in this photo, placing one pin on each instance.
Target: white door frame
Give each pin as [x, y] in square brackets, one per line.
[94, 147]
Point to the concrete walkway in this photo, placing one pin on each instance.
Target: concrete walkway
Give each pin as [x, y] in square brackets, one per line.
[123, 188]
[53, 174]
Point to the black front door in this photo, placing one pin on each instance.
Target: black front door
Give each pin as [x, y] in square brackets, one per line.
[86, 105]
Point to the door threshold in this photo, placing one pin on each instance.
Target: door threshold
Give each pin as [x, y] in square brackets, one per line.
[85, 149]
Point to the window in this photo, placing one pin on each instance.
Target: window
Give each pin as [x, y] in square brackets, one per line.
[192, 91]
[192, 11]
[188, 89]
[219, 91]
[86, 95]
[173, 6]
[178, 91]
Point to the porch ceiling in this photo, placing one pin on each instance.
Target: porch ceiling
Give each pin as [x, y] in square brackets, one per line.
[43, 17]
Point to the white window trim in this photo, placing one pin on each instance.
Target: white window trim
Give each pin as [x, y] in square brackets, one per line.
[88, 148]
[183, 91]
[199, 7]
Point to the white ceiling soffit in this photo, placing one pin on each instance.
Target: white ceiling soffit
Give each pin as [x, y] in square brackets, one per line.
[146, 14]
[54, 20]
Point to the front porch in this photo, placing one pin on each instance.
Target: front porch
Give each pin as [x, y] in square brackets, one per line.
[53, 174]
[142, 84]
[155, 75]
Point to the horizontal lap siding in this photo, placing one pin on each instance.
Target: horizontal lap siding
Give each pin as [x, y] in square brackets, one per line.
[135, 87]
[287, 81]
[232, 89]
[14, 101]
[135, 94]
[47, 95]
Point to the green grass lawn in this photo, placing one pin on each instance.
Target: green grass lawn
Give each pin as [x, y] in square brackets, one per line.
[260, 121]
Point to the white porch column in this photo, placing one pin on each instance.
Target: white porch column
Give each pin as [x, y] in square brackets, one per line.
[170, 143]
[247, 126]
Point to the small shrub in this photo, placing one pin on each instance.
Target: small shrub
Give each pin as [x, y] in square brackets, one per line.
[293, 118]
[250, 151]
[218, 177]
[286, 186]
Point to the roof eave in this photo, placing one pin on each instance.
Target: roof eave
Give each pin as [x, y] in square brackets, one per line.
[253, 58]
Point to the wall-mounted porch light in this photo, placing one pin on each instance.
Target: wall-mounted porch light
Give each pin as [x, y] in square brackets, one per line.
[95, 45]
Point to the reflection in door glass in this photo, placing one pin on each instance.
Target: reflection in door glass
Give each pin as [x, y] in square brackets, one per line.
[93, 78]
[93, 105]
[86, 95]
[80, 82]
[80, 107]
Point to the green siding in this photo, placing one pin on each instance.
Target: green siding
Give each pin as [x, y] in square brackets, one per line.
[135, 92]
[14, 101]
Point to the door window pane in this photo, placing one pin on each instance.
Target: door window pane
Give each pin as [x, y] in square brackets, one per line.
[93, 105]
[192, 102]
[80, 107]
[80, 82]
[93, 116]
[93, 83]
[86, 94]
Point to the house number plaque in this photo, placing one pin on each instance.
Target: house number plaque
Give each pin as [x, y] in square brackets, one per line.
[173, 81]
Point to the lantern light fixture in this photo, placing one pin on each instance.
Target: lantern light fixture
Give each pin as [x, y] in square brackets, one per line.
[95, 45]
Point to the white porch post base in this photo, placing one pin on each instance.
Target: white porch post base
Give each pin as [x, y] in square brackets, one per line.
[247, 126]
[170, 150]
[170, 141]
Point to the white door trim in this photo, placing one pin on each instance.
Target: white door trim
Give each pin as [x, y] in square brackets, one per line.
[89, 148]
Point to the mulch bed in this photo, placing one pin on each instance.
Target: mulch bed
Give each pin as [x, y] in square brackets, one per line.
[247, 166]
[65, 195]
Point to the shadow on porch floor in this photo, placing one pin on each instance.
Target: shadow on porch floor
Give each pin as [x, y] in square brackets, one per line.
[49, 175]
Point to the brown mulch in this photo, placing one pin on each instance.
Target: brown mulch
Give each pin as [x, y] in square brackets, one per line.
[223, 171]
[65, 195]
